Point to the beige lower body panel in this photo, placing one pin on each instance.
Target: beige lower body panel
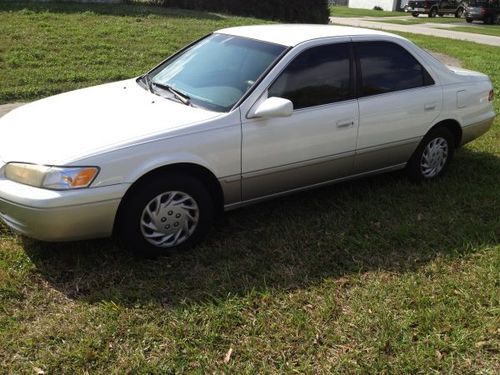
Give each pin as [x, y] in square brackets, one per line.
[269, 183]
[473, 131]
[374, 158]
[275, 180]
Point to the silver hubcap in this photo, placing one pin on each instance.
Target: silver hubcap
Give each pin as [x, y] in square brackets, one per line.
[434, 157]
[169, 219]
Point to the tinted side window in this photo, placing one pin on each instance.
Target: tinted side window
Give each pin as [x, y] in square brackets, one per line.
[387, 67]
[320, 75]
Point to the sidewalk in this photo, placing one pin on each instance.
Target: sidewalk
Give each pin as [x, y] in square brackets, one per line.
[423, 29]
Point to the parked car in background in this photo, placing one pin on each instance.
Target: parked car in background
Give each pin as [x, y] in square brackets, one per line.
[242, 115]
[487, 11]
[435, 8]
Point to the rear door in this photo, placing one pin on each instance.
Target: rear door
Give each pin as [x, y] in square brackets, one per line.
[398, 101]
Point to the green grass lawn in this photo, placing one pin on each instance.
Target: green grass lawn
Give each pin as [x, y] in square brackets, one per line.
[375, 276]
[479, 29]
[46, 49]
[343, 11]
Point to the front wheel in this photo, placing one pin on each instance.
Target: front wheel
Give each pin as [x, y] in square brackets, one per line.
[165, 213]
[468, 20]
[432, 157]
[414, 14]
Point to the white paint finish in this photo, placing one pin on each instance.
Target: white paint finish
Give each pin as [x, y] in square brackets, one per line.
[308, 134]
[292, 35]
[65, 127]
[214, 145]
[397, 116]
[387, 5]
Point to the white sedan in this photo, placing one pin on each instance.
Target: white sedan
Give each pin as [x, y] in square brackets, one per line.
[241, 115]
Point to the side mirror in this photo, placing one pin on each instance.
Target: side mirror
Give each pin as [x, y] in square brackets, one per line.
[274, 107]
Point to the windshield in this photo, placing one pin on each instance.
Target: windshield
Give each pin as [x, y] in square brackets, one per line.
[217, 71]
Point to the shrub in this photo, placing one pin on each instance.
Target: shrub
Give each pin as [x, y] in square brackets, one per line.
[376, 7]
[305, 11]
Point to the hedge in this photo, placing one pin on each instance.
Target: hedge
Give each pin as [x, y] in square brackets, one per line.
[296, 11]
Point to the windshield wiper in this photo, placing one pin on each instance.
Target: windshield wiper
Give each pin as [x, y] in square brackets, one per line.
[185, 99]
[147, 81]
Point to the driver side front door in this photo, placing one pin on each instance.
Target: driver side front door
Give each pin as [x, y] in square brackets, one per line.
[317, 142]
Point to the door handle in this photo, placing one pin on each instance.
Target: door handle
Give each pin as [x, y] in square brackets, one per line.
[430, 107]
[345, 124]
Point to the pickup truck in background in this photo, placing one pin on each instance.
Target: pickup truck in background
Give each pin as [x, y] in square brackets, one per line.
[435, 8]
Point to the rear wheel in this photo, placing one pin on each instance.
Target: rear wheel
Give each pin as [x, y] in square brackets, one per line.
[165, 213]
[433, 13]
[468, 20]
[414, 14]
[432, 157]
[489, 20]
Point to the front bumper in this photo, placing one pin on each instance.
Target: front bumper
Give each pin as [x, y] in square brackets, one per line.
[49, 215]
[418, 10]
[474, 16]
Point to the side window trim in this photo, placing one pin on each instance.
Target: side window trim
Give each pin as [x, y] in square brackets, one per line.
[352, 74]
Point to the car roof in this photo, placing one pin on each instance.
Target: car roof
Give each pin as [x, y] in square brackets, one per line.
[293, 34]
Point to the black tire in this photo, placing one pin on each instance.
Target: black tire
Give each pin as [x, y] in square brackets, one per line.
[488, 20]
[129, 230]
[433, 12]
[468, 20]
[414, 168]
[414, 14]
[459, 13]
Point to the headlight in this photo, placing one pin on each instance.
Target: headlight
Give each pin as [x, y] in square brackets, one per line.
[57, 178]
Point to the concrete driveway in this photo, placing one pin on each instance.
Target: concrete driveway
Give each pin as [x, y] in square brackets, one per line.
[6, 108]
[432, 29]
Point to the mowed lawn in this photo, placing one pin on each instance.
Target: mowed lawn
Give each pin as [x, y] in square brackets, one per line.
[374, 276]
[344, 11]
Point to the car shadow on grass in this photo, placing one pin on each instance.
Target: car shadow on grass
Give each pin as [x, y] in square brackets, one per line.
[383, 223]
[129, 10]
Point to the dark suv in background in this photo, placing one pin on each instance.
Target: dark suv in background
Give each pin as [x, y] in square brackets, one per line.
[435, 8]
[487, 11]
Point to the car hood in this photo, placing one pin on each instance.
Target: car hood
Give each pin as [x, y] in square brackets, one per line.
[66, 127]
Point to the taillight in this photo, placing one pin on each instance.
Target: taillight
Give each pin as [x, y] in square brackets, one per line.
[491, 95]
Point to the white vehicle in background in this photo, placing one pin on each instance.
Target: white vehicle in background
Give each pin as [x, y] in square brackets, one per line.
[241, 115]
